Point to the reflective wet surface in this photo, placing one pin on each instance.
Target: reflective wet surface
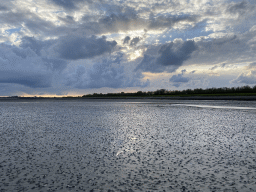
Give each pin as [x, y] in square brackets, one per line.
[128, 146]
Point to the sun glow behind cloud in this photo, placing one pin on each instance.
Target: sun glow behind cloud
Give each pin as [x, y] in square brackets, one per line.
[136, 54]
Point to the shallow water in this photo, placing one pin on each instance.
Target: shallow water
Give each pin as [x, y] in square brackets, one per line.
[128, 146]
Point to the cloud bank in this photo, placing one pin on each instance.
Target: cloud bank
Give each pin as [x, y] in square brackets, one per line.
[57, 47]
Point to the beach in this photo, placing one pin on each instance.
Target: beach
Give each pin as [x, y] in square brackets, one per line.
[127, 145]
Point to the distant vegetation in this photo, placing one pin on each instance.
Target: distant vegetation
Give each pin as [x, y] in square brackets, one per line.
[234, 91]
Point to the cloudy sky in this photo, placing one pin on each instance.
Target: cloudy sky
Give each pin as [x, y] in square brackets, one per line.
[76, 47]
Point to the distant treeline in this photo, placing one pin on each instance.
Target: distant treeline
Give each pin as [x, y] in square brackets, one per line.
[164, 92]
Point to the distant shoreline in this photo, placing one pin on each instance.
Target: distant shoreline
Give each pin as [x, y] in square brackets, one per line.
[253, 98]
[27, 99]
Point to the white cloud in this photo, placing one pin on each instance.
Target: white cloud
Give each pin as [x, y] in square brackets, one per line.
[246, 78]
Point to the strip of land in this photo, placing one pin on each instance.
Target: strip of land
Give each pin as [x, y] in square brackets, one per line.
[196, 97]
[235, 93]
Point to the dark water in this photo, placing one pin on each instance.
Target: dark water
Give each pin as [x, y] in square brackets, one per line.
[128, 146]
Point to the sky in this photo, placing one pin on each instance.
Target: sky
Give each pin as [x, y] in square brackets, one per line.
[78, 47]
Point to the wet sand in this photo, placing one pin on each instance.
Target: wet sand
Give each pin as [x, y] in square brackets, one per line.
[119, 146]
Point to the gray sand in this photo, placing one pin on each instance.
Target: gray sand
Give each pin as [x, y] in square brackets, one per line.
[127, 146]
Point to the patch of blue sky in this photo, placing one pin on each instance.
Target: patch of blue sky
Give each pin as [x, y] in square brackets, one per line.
[13, 30]
[189, 33]
[59, 12]
[113, 35]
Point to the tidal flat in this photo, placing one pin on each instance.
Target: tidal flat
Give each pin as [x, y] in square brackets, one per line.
[128, 145]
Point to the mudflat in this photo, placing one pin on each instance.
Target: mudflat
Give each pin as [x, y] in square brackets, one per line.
[127, 145]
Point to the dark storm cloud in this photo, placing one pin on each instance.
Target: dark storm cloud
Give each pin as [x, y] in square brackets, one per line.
[6, 6]
[22, 53]
[66, 4]
[69, 47]
[228, 49]
[177, 80]
[169, 21]
[26, 78]
[170, 57]
[52, 63]
[70, 4]
[39, 26]
[33, 44]
[104, 74]
[24, 67]
[135, 41]
[148, 64]
[55, 64]
[126, 40]
[239, 7]
[73, 48]
[3, 8]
